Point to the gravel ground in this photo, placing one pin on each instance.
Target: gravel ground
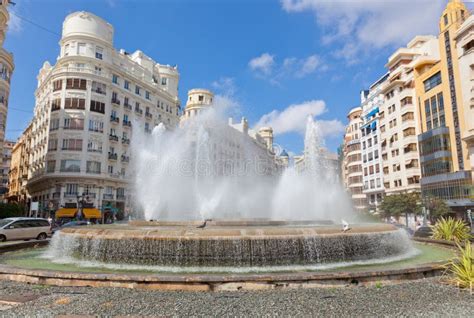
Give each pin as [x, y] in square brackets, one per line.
[427, 298]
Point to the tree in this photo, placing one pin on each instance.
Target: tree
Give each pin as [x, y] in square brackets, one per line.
[397, 205]
[438, 207]
[8, 210]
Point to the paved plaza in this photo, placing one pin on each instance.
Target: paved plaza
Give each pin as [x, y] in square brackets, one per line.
[426, 298]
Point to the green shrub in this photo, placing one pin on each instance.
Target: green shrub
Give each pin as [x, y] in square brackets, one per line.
[451, 230]
[461, 268]
[8, 210]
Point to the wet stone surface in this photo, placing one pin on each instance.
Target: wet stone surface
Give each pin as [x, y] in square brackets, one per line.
[424, 298]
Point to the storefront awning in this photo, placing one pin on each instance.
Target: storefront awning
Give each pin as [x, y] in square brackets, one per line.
[66, 213]
[91, 213]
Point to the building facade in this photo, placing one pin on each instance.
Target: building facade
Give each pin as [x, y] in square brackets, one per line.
[465, 49]
[444, 157]
[352, 172]
[5, 168]
[18, 175]
[371, 102]
[399, 118]
[6, 70]
[87, 106]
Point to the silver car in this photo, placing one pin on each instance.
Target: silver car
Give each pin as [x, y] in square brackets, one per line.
[24, 229]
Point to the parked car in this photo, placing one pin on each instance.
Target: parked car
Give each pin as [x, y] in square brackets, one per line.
[24, 229]
[424, 231]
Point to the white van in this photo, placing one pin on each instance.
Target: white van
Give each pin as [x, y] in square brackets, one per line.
[24, 229]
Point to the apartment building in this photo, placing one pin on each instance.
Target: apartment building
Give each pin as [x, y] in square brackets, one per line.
[87, 106]
[399, 117]
[444, 158]
[371, 102]
[352, 172]
[18, 175]
[6, 69]
[5, 168]
[465, 49]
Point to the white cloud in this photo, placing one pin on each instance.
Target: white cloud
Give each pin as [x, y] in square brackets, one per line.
[294, 117]
[362, 25]
[266, 67]
[262, 64]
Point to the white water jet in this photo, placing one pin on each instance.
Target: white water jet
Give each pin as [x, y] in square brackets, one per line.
[183, 174]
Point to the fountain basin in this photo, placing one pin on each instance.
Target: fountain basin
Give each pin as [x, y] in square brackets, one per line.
[229, 245]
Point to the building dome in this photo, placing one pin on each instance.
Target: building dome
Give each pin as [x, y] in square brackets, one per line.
[88, 24]
[283, 153]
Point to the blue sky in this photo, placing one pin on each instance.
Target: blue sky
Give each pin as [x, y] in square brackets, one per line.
[277, 61]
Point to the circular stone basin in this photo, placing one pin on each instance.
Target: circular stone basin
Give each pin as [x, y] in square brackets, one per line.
[238, 243]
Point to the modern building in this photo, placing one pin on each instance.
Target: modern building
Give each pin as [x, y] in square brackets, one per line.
[6, 70]
[351, 166]
[5, 168]
[399, 118]
[444, 157]
[371, 102]
[87, 106]
[18, 176]
[465, 49]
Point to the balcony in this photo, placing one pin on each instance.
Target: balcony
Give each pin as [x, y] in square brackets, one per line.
[71, 195]
[114, 119]
[99, 91]
[113, 138]
[138, 111]
[127, 106]
[108, 196]
[112, 156]
[127, 123]
[125, 159]
[56, 195]
[120, 197]
[125, 141]
[148, 115]
[115, 101]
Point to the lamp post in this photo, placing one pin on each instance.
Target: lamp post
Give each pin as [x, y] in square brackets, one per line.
[80, 206]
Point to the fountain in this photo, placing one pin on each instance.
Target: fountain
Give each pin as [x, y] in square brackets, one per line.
[260, 218]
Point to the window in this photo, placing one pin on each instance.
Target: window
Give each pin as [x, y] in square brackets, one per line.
[53, 145]
[72, 188]
[98, 52]
[76, 83]
[94, 146]
[114, 79]
[66, 50]
[137, 90]
[93, 167]
[99, 88]
[54, 124]
[147, 94]
[375, 140]
[440, 102]
[125, 101]
[126, 84]
[74, 123]
[81, 49]
[72, 144]
[50, 166]
[201, 98]
[70, 166]
[57, 85]
[110, 169]
[432, 82]
[55, 104]
[96, 125]
[434, 108]
[74, 103]
[164, 81]
[97, 107]
[445, 18]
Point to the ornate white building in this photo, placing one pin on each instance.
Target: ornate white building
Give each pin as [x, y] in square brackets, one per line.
[352, 172]
[371, 101]
[87, 106]
[399, 118]
[6, 69]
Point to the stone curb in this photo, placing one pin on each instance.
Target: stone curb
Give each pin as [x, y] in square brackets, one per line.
[211, 282]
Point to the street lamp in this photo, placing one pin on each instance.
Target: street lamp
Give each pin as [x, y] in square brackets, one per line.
[80, 204]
